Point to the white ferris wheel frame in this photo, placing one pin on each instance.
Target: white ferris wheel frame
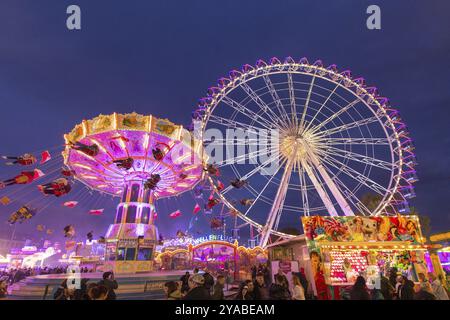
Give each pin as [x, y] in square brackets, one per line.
[379, 107]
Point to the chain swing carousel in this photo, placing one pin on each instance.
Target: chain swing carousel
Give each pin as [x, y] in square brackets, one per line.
[140, 159]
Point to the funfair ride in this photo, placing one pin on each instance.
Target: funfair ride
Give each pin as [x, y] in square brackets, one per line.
[338, 140]
[139, 158]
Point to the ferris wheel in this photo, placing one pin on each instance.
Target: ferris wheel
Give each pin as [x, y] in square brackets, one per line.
[316, 141]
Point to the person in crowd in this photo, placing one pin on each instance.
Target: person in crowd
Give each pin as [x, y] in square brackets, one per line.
[172, 291]
[398, 284]
[19, 275]
[81, 293]
[444, 280]
[246, 290]
[304, 282]
[425, 291]
[438, 289]
[387, 290]
[197, 290]
[63, 292]
[261, 289]
[254, 271]
[393, 276]
[406, 289]
[267, 274]
[185, 282]
[376, 294]
[285, 282]
[218, 288]
[209, 280]
[422, 279]
[110, 283]
[298, 291]
[278, 290]
[195, 270]
[359, 290]
[3, 287]
[97, 292]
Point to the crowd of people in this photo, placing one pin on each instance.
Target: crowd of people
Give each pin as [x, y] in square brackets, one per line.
[399, 287]
[261, 286]
[206, 285]
[14, 275]
[87, 290]
[203, 286]
[11, 276]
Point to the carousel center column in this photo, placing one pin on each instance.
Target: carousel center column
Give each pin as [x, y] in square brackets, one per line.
[131, 241]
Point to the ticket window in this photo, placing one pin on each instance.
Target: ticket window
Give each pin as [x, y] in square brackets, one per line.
[145, 254]
[126, 254]
[121, 254]
[111, 252]
[130, 254]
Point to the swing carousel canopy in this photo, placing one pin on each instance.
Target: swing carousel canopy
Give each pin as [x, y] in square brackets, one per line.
[135, 136]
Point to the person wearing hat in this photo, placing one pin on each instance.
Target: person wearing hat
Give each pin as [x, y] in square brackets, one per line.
[197, 290]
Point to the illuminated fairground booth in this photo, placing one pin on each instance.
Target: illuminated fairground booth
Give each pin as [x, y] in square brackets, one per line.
[342, 248]
[439, 257]
[216, 253]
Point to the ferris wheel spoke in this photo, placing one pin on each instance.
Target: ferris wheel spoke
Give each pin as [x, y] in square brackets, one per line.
[352, 173]
[253, 171]
[348, 126]
[292, 101]
[352, 197]
[335, 115]
[276, 99]
[277, 207]
[359, 158]
[305, 109]
[330, 183]
[246, 156]
[321, 107]
[355, 141]
[234, 124]
[262, 191]
[235, 142]
[247, 112]
[260, 103]
[303, 190]
[320, 190]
